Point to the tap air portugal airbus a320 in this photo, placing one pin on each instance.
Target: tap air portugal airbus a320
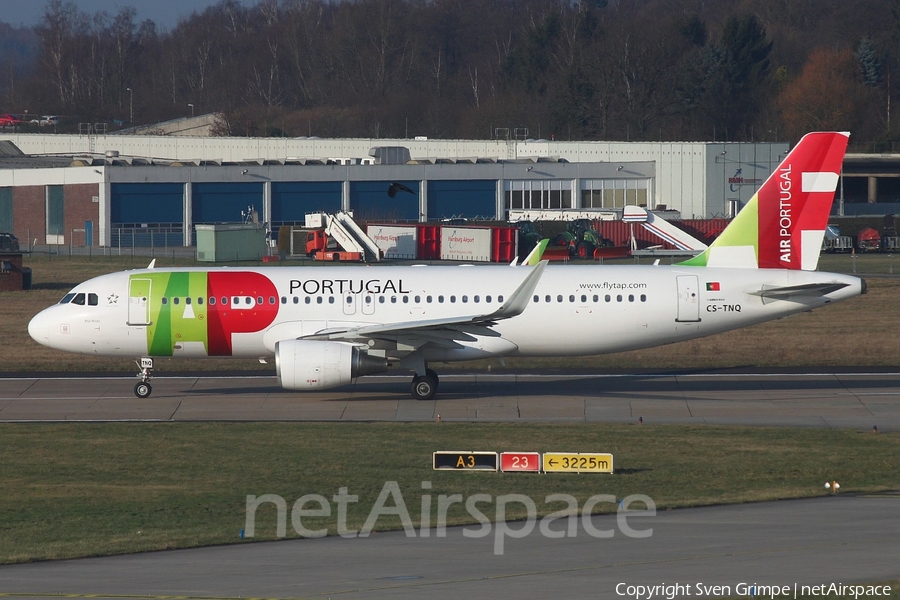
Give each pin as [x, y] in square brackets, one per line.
[326, 326]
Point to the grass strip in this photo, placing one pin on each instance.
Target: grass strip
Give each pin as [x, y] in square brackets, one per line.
[75, 490]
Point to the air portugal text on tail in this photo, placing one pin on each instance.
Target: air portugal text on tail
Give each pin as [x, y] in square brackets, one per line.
[783, 225]
[326, 326]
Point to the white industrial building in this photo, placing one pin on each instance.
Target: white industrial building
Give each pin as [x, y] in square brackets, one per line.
[101, 187]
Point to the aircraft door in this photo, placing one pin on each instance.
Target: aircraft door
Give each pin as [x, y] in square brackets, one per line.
[139, 302]
[688, 299]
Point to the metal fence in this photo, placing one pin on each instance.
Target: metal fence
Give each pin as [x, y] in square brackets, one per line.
[146, 237]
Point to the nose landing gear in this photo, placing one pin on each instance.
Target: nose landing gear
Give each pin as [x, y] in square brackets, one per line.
[142, 389]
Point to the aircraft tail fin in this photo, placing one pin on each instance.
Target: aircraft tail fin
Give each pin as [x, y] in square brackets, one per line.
[534, 257]
[783, 225]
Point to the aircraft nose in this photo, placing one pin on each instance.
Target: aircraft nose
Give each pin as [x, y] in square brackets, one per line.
[38, 328]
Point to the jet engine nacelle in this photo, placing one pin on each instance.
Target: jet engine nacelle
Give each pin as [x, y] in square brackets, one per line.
[315, 365]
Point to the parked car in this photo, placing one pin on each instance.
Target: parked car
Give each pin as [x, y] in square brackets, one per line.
[9, 120]
[8, 243]
[46, 120]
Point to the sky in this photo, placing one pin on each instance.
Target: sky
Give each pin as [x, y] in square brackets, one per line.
[165, 13]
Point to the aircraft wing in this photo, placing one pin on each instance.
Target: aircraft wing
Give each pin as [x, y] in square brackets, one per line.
[443, 332]
[797, 293]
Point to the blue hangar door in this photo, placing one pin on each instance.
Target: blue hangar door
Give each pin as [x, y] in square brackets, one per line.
[146, 214]
[384, 200]
[462, 198]
[224, 202]
[291, 200]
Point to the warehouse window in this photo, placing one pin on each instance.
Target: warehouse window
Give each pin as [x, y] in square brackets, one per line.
[538, 194]
[614, 193]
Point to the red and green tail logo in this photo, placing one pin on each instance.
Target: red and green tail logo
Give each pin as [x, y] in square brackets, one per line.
[783, 225]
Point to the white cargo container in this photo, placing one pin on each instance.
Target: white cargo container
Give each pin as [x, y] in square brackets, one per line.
[466, 243]
[395, 241]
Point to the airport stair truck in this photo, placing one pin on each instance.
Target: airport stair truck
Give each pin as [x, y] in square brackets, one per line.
[684, 242]
[337, 237]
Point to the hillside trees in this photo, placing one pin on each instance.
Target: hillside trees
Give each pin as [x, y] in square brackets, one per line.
[569, 69]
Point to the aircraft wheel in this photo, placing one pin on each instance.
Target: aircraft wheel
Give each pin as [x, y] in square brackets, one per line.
[142, 389]
[423, 387]
[433, 375]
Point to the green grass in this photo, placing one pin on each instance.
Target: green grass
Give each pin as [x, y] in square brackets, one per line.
[73, 490]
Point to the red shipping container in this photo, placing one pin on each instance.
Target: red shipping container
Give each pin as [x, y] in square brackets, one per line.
[504, 242]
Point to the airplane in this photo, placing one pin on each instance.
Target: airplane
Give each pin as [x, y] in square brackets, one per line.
[327, 326]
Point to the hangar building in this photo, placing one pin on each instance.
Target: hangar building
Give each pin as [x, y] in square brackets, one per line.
[102, 190]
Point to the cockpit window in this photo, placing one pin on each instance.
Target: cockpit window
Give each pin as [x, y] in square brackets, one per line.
[78, 299]
[93, 300]
[67, 298]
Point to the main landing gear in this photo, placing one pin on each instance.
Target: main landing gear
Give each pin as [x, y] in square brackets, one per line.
[424, 387]
[143, 388]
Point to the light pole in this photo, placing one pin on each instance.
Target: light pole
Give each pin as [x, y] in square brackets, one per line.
[192, 110]
[130, 106]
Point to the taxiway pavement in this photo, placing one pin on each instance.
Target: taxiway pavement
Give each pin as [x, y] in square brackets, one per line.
[844, 539]
[840, 400]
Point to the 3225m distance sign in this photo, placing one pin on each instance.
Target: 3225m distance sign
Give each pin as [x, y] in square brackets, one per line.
[577, 462]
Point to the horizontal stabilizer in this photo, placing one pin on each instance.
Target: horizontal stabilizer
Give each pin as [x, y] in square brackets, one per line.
[798, 293]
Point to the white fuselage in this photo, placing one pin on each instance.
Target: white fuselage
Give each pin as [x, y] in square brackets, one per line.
[574, 310]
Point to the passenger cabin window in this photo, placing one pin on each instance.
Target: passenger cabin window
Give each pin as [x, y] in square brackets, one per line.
[212, 300]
